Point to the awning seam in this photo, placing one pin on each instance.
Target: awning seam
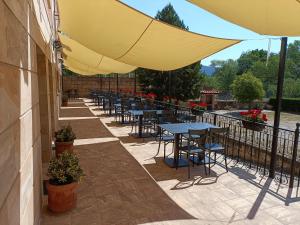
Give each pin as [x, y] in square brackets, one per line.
[135, 41]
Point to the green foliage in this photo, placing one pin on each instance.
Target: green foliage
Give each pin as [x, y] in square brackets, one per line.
[225, 73]
[65, 169]
[184, 83]
[255, 62]
[247, 59]
[209, 82]
[65, 134]
[247, 88]
[267, 73]
[169, 15]
[288, 104]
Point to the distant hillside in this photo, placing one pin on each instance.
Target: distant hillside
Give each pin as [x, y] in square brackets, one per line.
[208, 70]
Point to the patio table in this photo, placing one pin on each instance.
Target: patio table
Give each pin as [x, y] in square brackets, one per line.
[178, 129]
[140, 115]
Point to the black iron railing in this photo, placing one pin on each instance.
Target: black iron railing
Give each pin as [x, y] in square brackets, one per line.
[251, 147]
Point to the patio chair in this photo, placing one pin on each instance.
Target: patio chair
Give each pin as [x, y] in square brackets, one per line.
[163, 136]
[195, 146]
[217, 143]
[149, 121]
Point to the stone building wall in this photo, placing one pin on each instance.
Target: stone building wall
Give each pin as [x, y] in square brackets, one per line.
[83, 84]
[28, 106]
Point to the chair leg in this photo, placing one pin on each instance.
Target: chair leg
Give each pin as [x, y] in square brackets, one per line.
[193, 159]
[225, 157]
[165, 150]
[205, 170]
[215, 158]
[209, 163]
[189, 168]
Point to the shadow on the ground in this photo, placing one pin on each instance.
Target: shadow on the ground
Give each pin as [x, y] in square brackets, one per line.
[135, 141]
[160, 171]
[116, 189]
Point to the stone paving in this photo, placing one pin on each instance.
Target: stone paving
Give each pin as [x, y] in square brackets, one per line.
[128, 183]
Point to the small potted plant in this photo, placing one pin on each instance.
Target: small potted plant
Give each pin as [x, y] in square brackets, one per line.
[198, 109]
[254, 119]
[64, 174]
[64, 100]
[64, 139]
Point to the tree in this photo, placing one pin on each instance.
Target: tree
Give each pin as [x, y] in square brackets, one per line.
[226, 73]
[247, 59]
[247, 88]
[185, 82]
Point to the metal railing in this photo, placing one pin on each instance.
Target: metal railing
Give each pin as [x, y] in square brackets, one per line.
[251, 147]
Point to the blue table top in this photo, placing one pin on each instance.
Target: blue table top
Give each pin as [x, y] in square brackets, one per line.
[183, 128]
[141, 112]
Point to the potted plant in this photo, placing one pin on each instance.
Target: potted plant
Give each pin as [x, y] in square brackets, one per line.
[254, 119]
[64, 100]
[64, 139]
[64, 174]
[198, 109]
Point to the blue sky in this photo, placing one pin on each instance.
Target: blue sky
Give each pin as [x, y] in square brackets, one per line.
[202, 22]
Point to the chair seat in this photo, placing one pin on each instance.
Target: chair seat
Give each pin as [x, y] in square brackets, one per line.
[167, 138]
[214, 147]
[193, 136]
[191, 150]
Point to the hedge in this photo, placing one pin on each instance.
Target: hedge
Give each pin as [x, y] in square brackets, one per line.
[288, 104]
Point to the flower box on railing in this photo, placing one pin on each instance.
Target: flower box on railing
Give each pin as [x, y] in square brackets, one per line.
[197, 112]
[253, 125]
[254, 119]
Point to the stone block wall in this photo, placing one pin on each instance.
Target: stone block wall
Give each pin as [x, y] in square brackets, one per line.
[25, 28]
[83, 84]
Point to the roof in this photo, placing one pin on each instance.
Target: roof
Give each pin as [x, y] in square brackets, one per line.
[210, 92]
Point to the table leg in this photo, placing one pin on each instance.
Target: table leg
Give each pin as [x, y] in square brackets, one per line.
[103, 104]
[109, 103]
[176, 150]
[122, 113]
[140, 126]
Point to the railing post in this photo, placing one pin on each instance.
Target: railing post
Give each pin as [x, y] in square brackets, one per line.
[215, 119]
[294, 157]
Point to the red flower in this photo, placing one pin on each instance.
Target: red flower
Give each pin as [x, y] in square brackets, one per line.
[244, 113]
[202, 104]
[264, 117]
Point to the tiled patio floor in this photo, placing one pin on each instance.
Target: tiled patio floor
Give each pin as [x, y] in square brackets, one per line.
[118, 189]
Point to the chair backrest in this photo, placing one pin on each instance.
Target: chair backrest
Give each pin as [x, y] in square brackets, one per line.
[168, 119]
[149, 115]
[198, 136]
[218, 134]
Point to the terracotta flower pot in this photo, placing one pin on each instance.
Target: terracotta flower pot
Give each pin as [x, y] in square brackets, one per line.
[61, 198]
[60, 147]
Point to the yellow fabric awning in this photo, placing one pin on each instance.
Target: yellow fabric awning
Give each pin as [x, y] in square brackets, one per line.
[115, 30]
[268, 17]
[90, 58]
[78, 67]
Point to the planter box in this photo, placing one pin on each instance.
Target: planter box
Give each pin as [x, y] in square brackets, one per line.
[197, 112]
[253, 126]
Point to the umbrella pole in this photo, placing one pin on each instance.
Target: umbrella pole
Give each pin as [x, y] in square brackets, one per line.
[280, 81]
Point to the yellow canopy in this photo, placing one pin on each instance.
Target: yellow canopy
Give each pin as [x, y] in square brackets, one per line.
[78, 67]
[268, 17]
[90, 58]
[115, 30]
